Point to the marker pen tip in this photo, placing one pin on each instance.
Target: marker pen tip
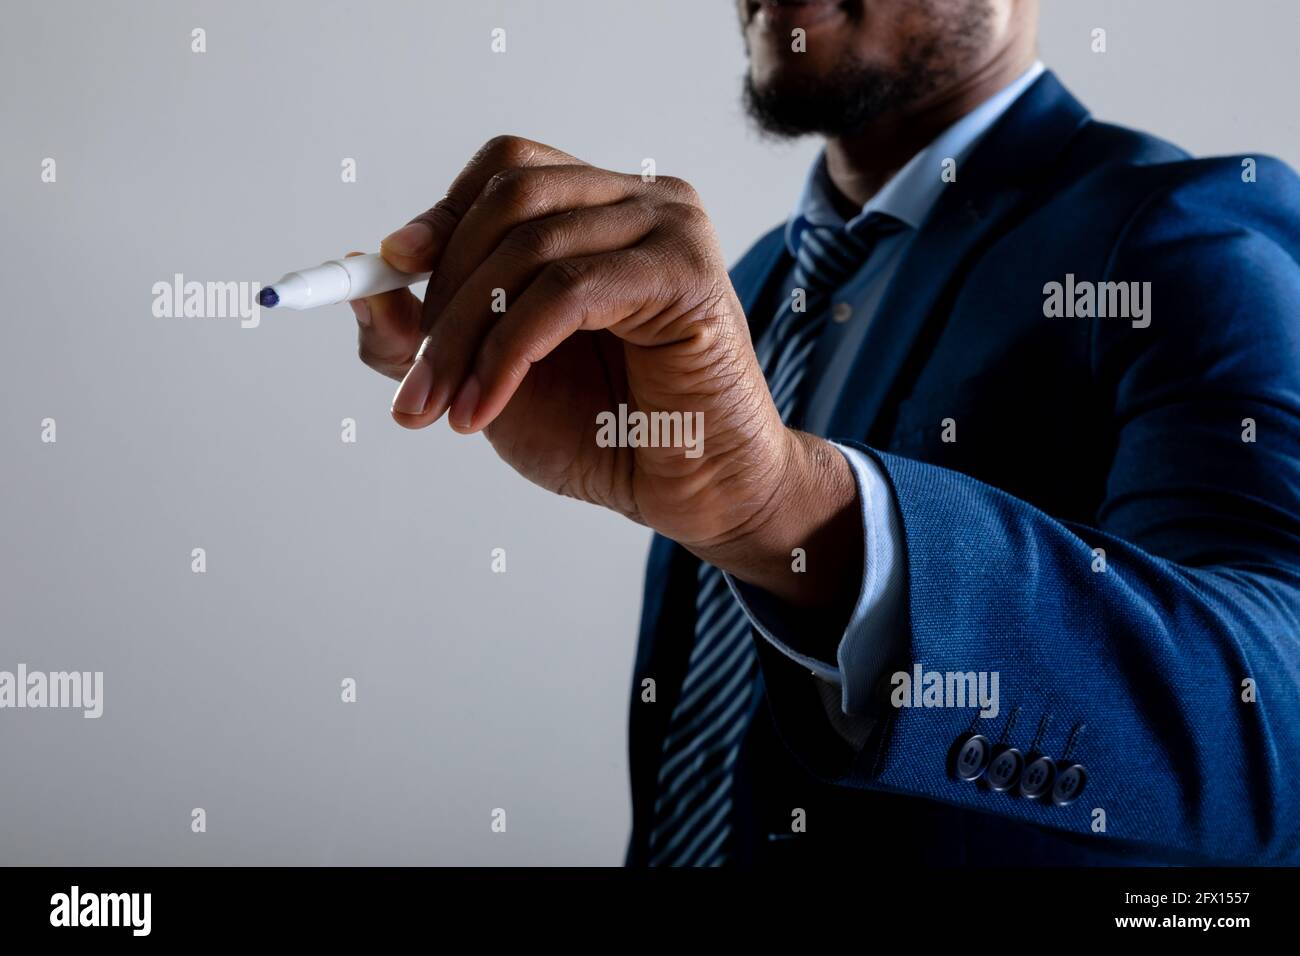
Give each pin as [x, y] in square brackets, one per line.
[267, 298]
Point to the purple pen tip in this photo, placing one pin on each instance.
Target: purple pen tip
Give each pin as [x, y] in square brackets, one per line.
[267, 298]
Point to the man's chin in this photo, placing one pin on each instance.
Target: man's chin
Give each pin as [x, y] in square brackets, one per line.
[838, 100]
[790, 105]
[778, 111]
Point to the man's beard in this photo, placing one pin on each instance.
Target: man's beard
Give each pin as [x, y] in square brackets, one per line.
[852, 96]
[855, 94]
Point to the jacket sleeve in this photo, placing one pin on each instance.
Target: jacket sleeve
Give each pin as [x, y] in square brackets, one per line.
[1167, 668]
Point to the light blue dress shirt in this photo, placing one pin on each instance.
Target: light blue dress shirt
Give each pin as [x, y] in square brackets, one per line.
[909, 196]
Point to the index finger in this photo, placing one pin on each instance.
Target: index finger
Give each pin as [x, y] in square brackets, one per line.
[416, 246]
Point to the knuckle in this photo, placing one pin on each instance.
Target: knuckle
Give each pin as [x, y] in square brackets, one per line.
[698, 257]
[687, 216]
[567, 273]
[680, 190]
[530, 242]
[717, 330]
[508, 187]
[370, 359]
[507, 149]
[444, 214]
[688, 241]
[505, 358]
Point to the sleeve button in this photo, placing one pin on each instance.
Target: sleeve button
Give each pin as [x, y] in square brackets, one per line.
[1070, 781]
[970, 756]
[1004, 768]
[1037, 779]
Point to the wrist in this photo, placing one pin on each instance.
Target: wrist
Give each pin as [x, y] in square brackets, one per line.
[804, 546]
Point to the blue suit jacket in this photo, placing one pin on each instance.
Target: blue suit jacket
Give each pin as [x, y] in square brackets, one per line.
[1073, 434]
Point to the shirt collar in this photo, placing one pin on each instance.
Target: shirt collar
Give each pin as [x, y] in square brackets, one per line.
[910, 194]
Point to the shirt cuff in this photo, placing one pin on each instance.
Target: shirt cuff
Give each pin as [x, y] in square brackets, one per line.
[865, 646]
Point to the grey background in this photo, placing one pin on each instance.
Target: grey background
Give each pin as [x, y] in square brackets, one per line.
[328, 560]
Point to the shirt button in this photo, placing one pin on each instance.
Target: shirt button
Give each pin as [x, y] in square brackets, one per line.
[842, 312]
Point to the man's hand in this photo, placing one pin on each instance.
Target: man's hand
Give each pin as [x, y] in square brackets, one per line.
[615, 292]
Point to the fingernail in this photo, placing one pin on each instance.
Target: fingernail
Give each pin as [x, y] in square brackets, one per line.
[466, 401]
[413, 394]
[413, 239]
[361, 309]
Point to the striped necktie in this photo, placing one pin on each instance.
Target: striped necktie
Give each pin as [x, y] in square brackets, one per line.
[692, 813]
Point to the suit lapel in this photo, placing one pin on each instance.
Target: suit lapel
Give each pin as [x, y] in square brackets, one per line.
[1013, 158]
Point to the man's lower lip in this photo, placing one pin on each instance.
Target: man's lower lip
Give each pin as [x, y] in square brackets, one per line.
[783, 17]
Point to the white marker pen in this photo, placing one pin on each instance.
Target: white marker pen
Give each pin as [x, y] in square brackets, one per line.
[339, 280]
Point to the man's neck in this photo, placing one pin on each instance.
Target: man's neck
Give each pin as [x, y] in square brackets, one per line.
[861, 163]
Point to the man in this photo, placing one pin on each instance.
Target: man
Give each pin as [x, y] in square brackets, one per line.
[991, 549]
